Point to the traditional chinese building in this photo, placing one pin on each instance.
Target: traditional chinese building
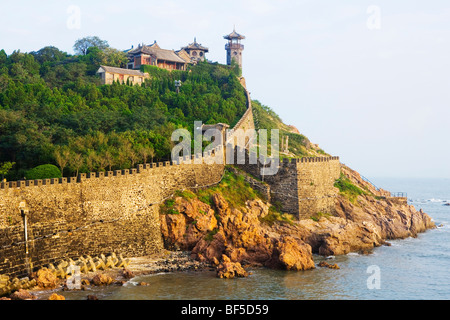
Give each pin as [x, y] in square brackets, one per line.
[113, 74]
[155, 56]
[195, 51]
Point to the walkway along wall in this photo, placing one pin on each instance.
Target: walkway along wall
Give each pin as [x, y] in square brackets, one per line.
[302, 187]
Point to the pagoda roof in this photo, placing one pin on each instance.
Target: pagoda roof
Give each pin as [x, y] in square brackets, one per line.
[160, 54]
[234, 35]
[195, 46]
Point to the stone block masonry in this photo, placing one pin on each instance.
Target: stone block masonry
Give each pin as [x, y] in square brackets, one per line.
[302, 187]
[94, 214]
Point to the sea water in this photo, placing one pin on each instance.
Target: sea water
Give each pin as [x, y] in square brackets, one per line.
[409, 269]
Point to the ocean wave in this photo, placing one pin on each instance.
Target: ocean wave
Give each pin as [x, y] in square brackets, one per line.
[436, 200]
[425, 201]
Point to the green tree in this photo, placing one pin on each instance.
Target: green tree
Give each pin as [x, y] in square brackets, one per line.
[109, 158]
[76, 162]
[49, 54]
[113, 57]
[91, 160]
[145, 152]
[4, 168]
[62, 156]
[82, 45]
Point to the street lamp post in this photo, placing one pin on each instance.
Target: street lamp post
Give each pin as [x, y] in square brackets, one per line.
[24, 211]
[178, 85]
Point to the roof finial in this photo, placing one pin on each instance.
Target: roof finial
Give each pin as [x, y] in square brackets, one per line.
[195, 39]
[234, 27]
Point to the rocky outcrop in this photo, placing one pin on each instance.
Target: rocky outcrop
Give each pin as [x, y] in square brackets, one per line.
[46, 278]
[102, 280]
[324, 264]
[358, 227]
[212, 232]
[22, 294]
[56, 296]
[356, 178]
[184, 230]
[291, 254]
[388, 218]
[228, 269]
[236, 234]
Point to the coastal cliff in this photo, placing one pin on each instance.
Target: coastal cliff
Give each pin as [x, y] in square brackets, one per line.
[215, 228]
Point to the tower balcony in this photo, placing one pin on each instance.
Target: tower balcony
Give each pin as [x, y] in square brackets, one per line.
[231, 46]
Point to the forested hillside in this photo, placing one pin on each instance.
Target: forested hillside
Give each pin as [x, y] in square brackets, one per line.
[53, 110]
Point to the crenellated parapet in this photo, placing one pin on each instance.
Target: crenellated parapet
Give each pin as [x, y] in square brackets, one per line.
[205, 158]
[303, 186]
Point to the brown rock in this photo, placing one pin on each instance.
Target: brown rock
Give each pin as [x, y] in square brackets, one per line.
[240, 235]
[102, 280]
[220, 203]
[292, 254]
[184, 230]
[45, 278]
[56, 296]
[236, 254]
[127, 274]
[327, 265]
[92, 297]
[22, 294]
[211, 249]
[228, 269]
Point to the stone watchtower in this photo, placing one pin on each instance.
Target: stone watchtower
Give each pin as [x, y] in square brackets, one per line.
[234, 48]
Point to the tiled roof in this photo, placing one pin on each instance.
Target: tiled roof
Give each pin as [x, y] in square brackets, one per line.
[234, 35]
[161, 54]
[195, 46]
[121, 71]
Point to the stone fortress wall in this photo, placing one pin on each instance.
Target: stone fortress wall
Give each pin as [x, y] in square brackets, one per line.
[118, 211]
[93, 214]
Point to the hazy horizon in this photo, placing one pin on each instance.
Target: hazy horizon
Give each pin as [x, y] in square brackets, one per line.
[366, 80]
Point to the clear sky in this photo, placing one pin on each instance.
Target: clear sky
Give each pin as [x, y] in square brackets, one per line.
[366, 80]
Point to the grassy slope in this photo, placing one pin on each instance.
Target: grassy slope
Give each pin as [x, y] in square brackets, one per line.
[299, 145]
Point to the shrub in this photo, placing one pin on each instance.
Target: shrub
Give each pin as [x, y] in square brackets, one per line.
[45, 171]
[210, 235]
[185, 194]
[348, 189]
[275, 215]
[235, 190]
[319, 215]
[168, 207]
